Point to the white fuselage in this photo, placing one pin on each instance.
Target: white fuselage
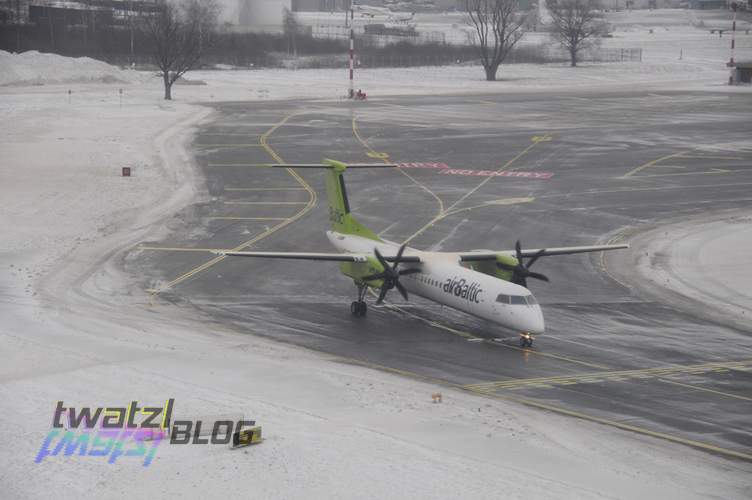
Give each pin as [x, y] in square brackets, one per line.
[443, 280]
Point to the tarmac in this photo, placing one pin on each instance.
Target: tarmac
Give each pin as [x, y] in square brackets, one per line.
[577, 168]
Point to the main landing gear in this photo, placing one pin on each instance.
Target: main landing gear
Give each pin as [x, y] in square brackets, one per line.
[359, 307]
[526, 340]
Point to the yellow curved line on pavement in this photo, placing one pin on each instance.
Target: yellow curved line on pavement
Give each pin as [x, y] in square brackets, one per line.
[263, 142]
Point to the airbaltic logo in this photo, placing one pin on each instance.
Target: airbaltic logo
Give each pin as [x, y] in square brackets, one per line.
[460, 288]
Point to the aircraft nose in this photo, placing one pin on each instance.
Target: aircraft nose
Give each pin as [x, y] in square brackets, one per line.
[535, 323]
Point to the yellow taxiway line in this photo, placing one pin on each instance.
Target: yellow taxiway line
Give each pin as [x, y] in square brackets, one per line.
[470, 336]
[263, 141]
[706, 389]
[651, 163]
[555, 409]
[689, 154]
[627, 427]
[527, 402]
[617, 376]
[449, 211]
[445, 212]
[505, 167]
[385, 158]
[713, 171]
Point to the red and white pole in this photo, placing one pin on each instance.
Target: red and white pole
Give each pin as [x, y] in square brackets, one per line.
[734, 7]
[351, 92]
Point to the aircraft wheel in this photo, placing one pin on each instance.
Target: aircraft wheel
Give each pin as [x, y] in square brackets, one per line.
[523, 342]
[358, 308]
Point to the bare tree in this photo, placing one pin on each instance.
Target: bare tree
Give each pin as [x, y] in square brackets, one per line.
[179, 35]
[575, 22]
[290, 27]
[498, 24]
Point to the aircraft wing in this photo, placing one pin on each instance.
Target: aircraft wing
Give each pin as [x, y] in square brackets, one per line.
[333, 257]
[489, 255]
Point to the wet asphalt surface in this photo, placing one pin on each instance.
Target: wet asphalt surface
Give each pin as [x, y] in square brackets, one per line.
[610, 353]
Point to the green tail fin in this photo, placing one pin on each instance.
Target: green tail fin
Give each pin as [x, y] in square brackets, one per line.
[339, 208]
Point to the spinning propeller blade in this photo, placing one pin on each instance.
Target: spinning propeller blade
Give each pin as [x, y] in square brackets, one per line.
[522, 271]
[390, 275]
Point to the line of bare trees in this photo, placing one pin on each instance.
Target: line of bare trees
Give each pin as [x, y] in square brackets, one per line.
[178, 34]
[500, 24]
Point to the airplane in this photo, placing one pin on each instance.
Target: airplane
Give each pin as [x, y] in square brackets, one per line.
[491, 285]
[373, 12]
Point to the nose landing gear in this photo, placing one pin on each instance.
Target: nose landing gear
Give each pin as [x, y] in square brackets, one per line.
[526, 340]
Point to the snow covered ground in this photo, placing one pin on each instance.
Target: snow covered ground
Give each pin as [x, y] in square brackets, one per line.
[75, 328]
[697, 264]
[36, 68]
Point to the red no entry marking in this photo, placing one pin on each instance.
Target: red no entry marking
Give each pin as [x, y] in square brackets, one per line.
[475, 173]
[494, 173]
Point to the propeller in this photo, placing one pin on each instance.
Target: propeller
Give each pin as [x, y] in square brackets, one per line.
[522, 271]
[390, 275]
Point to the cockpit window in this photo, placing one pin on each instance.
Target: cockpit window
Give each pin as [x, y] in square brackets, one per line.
[516, 300]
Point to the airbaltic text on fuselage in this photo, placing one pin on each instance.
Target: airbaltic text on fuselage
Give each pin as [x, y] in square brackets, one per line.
[461, 288]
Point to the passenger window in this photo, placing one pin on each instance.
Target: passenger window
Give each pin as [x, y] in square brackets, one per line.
[518, 300]
[503, 299]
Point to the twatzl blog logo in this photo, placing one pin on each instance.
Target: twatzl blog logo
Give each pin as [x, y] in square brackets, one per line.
[460, 288]
[130, 431]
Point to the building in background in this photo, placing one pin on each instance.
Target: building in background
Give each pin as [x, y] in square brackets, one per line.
[72, 13]
[262, 15]
[326, 5]
[708, 4]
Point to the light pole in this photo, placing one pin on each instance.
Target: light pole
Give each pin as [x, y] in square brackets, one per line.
[730, 64]
[351, 91]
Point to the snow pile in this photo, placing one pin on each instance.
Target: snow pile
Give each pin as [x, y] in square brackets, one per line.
[36, 68]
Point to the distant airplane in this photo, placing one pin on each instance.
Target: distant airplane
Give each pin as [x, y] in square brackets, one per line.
[372, 12]
[488, 284]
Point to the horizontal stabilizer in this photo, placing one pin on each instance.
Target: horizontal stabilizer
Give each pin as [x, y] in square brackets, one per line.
[333, 257]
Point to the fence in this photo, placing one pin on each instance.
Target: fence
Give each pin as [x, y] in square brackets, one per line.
[437, 55]
[377, 35]
[598, 55]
